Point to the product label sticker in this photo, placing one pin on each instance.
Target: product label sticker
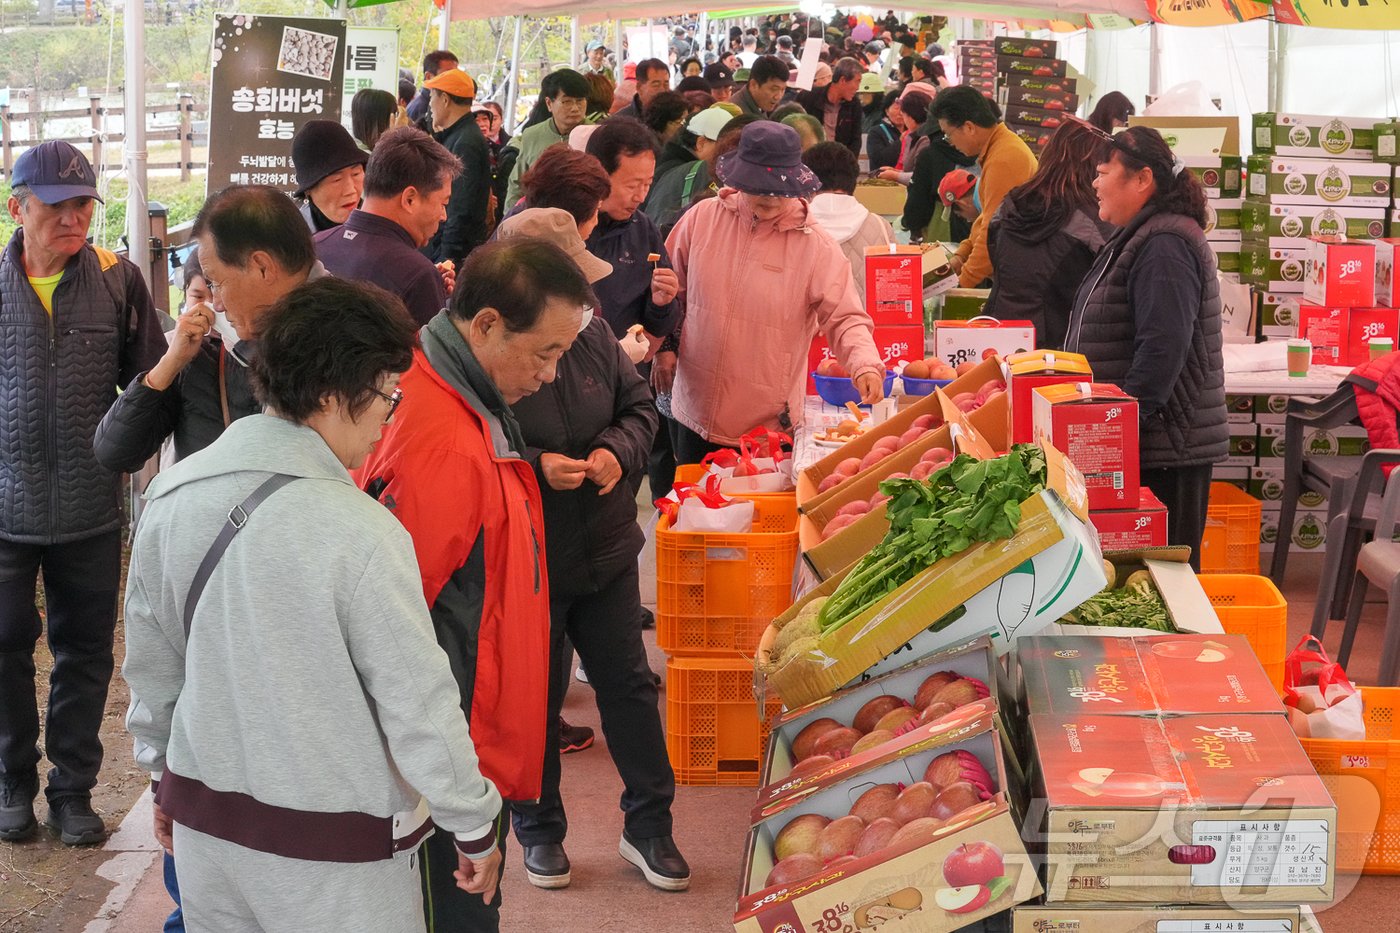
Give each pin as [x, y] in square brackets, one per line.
[1273, 853]
[1231, 925]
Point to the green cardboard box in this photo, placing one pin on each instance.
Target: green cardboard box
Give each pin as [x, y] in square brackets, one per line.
[963, 304]
[1219, 175]
[1223, 217]
[1273, 270]
[1290, 225]
[1288, 180]
[1313, 136]
[1279, 309]
[1227, 256]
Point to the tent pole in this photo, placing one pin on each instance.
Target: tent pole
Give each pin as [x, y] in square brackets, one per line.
[1278, 56]
[138, 218]
[617, 48]
[573, 42]
[514, 94]
[1154, 63]
[444, 24]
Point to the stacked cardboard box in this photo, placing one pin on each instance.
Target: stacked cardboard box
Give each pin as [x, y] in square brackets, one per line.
[1033, 88]
[1310, 176]
[977, 61]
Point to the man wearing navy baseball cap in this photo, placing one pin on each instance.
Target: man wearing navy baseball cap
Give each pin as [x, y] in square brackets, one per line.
[78, 321]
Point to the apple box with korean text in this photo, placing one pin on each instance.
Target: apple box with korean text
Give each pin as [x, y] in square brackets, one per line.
[1096, 426]
[1340, 272]
[980, 338]
[1026, 371]
[1341, 336]
[1126, 529]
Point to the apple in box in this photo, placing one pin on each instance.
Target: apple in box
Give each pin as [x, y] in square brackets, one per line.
[1340, 272]
[1096, 426]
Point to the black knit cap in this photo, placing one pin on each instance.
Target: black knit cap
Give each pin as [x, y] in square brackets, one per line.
[321, 148]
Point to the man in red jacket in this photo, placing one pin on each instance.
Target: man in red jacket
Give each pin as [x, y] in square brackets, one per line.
[450, 467]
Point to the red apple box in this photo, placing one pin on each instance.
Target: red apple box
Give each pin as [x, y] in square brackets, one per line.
[1130, 529]
[1096, 426]
[1341, 336]
[894, 285]
[1340, 273]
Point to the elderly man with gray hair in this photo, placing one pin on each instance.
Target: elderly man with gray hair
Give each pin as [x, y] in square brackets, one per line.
[836, 104]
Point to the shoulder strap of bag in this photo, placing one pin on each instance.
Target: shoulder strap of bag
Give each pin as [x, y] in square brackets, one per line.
[237, 518]
[689, 186]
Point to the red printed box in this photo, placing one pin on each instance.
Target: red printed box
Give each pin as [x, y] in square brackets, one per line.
[1387, 295]
[1341, 336]
[1095, 425]
[893, 343]
[973, 341]
[1129, 529]
[894, 285]
[1340, 273]
[1026, 371]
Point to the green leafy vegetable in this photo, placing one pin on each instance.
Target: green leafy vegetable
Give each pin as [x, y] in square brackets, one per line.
[967, 502]
[1135, 605]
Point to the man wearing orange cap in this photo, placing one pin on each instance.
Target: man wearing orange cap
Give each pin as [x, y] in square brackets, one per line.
[450, 102]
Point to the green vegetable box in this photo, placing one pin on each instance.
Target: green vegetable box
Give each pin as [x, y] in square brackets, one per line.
[895, 608]
[1178, 603]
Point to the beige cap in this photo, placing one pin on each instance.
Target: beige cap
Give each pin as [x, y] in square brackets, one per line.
[558, 227]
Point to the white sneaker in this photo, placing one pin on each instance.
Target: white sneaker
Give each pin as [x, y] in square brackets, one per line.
[580, 676]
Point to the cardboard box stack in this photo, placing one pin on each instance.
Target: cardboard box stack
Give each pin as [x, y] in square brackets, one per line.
[1144, 758]
[977, 65]
[1033, 88]
[1310, 176]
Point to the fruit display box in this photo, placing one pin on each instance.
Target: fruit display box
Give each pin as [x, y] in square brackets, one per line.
[935, 873]
[1188, 606]
[1290, 225]
[1033, 67]
[1063, 101]
[1278, 309]
[884, 199]
[1318, 137]
[1341, 336]
[1287, 180]
[1096, 426]
[1060, 85]
[1270, 269]
[1348, 440]
[1219, 175]
[1067, 675]
[1221, 808]
[1340, 272]
[1223, 218]
[1387, 295]
[1154, 918]
[800, 736]
[827, 553]
[1030, 370]
[959, 342]
[1028, 48]
[1125, 529]
[1032, 115]
[1004, 588]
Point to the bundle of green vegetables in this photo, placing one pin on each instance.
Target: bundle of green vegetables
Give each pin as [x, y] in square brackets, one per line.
[1136, 604]
[967, 502]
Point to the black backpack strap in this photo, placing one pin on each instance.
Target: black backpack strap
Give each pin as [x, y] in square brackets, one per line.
[237, 518]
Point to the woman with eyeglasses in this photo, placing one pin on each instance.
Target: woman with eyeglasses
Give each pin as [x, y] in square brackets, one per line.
[1147, 316]
[301, 723]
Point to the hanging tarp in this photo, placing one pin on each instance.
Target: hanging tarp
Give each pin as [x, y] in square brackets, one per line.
[1042, 11]
[1206, 12]
[1338, 14]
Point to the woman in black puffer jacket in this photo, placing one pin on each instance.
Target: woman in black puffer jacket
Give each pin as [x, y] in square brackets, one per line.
[1147, 316]
[1045, 235]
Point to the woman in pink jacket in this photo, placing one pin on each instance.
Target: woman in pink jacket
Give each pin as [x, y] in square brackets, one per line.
[758, 280]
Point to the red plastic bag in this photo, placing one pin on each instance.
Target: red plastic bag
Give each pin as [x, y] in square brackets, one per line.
[1322, 702]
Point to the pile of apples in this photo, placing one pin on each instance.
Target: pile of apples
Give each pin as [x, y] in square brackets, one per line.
[884, 447]
[935, 368]
[884, 816]
[881, 719]
[932, 460]
[830, 367]
[971, 401]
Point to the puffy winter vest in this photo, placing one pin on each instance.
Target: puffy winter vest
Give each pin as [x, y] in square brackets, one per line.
[1192, 428]
[1377, 387]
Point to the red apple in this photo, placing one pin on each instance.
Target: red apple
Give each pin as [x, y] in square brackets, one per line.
[837, 742]
[803, 742]
[848, 467]
[839, 838]
[876, 836]
[808, 766]
[799, 835]
[831, 482]
[896, 719]
[914, 802]
[876, 803]
[932, 684]
[973, 863]
[963, 900]
[872, 739]
[874, 709]
[922, 828]
[856, 508]
[794, 868]
[954, 799]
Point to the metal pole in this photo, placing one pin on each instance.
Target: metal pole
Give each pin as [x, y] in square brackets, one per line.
[1278, 66]
[342, 9]
[573, 42]
[617, 48]
[1154, 63]
[444, 24]
[138, 221]
[514, 94]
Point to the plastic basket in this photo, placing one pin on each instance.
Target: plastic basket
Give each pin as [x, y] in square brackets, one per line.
[840, 390]
[1231, 540]
[1364, 780]
[695, 472]
[713, 731]
[716, 593]
[1252, 606]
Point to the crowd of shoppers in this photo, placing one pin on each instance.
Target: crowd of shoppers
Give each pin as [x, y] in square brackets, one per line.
[498, 338]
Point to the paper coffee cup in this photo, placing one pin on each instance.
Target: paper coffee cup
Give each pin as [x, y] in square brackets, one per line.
[1380, 346]
[1299, 356]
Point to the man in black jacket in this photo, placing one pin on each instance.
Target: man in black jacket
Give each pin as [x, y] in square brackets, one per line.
[588, 435]
[78, 323]
[653, 77]
[455, 127]
[836, 105]
[434, 64]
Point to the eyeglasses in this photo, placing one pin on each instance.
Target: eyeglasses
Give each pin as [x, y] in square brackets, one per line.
[393, 398]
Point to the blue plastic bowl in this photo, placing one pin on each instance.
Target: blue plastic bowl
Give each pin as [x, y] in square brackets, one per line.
[914, 386]
[838, 390]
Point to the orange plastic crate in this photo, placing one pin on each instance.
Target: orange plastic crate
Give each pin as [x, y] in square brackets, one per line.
[1364, 779]
[1231, 540]
[716, 593]
[713, 731]
[1250, 605]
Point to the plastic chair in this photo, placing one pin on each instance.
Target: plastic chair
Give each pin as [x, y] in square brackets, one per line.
[1331, 476]
[1378, 562]
[1355, 514]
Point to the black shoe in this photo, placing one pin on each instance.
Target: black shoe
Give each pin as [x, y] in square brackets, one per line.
[648, 618]
[547, 866]
[659, 859]
[17, 820]
[72, 818]
[573, 738]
